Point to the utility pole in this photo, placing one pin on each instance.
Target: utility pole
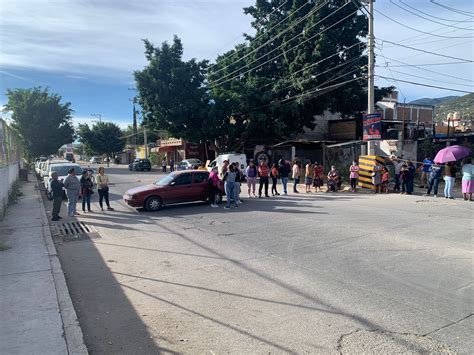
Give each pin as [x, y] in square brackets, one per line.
[370, 45]
[97, 115]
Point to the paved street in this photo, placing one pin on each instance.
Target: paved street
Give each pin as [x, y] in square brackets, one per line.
[307, 273]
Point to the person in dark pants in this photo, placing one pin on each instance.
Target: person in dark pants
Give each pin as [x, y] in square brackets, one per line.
[103, 189]
[434, 178]
[86, 190]
[263, 173]
[172, 165]
[57, 189]
[410, 182]
[398, 169]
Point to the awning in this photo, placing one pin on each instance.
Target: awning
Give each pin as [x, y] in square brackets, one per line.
[299, 141]
[346, 143]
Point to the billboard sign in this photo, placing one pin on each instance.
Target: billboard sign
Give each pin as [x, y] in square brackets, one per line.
[372, 126]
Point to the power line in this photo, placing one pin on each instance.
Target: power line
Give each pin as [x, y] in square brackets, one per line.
[269, 41]
[426, 85]
[274, 37]
[268, 16]
[314, 76]
[284, 52]
[439, 81]
[428, 70]
[396, 83]
[311, 94]
[417, 30]
[425, 13]
[425, 51]
[427, 19]
[422, 64]
[462, 12]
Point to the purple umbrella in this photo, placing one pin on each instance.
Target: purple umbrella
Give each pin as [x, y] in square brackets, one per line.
[452, 153]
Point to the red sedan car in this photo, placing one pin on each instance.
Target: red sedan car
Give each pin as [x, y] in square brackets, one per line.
[177, 187]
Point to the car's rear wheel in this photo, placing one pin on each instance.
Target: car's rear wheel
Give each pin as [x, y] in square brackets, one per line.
[153, 203]
[149, 169]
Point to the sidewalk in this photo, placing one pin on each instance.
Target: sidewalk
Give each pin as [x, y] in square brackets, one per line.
[37, 315]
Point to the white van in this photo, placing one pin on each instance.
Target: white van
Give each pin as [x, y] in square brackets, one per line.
[62, 170]
[241, 159]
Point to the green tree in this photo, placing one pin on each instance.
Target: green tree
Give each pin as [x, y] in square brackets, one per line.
[171, 91]
[287, 72]
[43, 122]
[102, 138]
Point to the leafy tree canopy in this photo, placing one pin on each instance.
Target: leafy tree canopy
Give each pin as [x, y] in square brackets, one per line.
[43, 122]
[171, 91]
[289, 70]
[102, 138]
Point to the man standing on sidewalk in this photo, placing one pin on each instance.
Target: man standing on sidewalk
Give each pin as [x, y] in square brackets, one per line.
[57, 188]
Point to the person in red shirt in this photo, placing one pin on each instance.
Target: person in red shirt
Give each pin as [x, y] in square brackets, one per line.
[318, 176]
[263, 173]
[385, 180]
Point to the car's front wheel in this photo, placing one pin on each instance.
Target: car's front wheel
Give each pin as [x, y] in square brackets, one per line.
[153, 203]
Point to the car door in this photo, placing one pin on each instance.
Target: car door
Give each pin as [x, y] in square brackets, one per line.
[180, 189]
[200, 185]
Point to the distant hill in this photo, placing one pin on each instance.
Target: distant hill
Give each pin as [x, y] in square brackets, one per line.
[462, 104]
[433, 102]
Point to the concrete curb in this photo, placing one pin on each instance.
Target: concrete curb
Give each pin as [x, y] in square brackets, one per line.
[72, 330]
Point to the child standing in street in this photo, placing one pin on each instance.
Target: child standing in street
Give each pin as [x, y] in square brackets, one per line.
[385, 180]
[354, 175]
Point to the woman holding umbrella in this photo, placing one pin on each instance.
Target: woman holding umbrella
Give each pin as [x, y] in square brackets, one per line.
[468, 179]
[450, 155]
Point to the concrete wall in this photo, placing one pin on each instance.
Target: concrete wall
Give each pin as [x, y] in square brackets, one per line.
[8, 175]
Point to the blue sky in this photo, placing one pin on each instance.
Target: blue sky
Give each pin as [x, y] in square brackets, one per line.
[87, 50]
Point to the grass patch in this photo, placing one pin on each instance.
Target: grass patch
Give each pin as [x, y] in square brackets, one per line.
[15, 193]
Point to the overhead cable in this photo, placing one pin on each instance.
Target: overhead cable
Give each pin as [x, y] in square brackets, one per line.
[425, 51]
[417, 30]
[285, 51]
[316, 8]
[427, 19]
[426, 85]
[462, 12]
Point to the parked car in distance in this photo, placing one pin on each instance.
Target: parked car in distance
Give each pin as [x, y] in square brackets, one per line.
[95, 160]
[177, 187]
[241, 159]
[188, 164]
[62, 170]
[140, 165]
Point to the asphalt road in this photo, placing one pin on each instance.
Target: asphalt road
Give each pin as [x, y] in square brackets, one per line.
[307, 273]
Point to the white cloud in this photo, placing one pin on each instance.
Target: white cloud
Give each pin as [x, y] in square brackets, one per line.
[105, 36]
[102, 38]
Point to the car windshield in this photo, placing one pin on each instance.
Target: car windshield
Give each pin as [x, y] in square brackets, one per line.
[166, 180]
[194, 161]
[63, 169]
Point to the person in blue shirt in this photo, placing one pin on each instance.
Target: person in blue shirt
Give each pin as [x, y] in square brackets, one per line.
[425, 172]
[436, 171]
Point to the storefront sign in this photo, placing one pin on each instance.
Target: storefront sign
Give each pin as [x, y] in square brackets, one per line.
[442, 140]
[372, 125]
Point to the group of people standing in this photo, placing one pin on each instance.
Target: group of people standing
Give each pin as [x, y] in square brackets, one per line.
[164, 165]
[75, 188]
